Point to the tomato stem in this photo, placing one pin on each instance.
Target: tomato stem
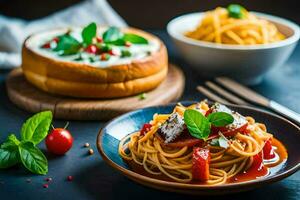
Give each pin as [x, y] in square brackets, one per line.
[66, 126]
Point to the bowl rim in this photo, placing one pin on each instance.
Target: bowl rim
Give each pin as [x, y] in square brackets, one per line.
[145, 179]
[285, 22]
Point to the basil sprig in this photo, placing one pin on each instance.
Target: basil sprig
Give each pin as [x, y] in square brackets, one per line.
[199, 126]
[25, 151]
[88, 33]
[236, 11]
[113, 35]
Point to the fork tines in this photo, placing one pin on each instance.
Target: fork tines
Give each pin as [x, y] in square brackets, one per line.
[217, 93]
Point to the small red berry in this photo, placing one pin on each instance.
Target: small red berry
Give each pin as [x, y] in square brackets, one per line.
[91, 49]
[46, 46]
[113, 53]
[45, 186]
[56, 39]
[99, 39]
[70, 178]
[48, 179]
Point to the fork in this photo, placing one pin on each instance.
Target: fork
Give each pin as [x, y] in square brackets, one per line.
[236, 93]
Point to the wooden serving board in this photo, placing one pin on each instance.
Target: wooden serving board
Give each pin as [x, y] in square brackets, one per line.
[28, 97]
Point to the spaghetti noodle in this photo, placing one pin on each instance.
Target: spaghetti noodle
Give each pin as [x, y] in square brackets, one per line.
[175, 160]
[219, 27]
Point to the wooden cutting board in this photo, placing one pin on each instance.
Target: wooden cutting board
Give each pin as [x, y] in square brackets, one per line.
[28, 97]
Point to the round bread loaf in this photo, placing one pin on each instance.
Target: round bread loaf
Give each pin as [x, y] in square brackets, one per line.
[77, 79]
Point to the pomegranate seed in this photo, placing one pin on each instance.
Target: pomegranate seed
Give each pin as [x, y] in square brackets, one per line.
[46, 46]
[91, 49]
[48, 179]
[70, 178]
[113, 53]
[45, 186]
[104, 56]
[56, 39]
[127, 44]
[99, 39]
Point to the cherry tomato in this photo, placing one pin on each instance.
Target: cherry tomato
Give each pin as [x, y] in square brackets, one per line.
[91, 49]
[200, 167]
[59, 141]
[268, 150]
[146, 128]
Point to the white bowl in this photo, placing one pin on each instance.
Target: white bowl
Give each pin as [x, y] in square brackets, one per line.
[246, 63]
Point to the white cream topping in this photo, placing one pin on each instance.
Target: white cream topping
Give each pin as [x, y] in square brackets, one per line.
[138, 51]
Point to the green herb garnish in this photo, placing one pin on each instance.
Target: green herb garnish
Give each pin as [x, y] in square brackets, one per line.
[88, 33]
[67, 45]
[134, 39]
[25, 151]
[199, 126]
[220, 119]
[142, 96]
[113, 35]
[236, 11]
[125, 53]
[104, 47]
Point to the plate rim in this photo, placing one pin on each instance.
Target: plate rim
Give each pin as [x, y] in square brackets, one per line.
[134, 175]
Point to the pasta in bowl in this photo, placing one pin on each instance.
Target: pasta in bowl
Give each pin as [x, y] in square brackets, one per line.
[235, 25]
[216, 44]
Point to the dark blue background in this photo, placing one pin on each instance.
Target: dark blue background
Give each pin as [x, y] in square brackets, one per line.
[93, 179]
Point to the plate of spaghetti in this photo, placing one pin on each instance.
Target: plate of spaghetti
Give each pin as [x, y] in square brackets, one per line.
[201, 147]
[233, 41]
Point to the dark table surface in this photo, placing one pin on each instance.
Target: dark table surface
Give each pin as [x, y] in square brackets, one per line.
[94, 179]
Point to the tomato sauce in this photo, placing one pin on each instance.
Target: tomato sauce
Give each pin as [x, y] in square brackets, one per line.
[269, 167]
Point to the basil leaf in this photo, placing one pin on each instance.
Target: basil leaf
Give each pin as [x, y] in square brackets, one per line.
[35, 129]
[113, 35]
[197, 124]
[220, 119]
[8, 157]
[88, 33]
[32, 158]
[11, 143]
[236, 11]
[67, 44]
[135, 39]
